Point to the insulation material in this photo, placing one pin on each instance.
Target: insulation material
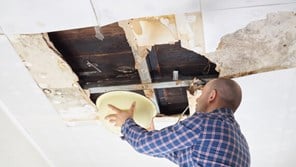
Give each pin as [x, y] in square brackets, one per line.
[264, 45]
[54, 76]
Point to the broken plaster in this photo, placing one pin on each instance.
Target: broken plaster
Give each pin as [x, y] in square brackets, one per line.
[54, 76]
[264, 45]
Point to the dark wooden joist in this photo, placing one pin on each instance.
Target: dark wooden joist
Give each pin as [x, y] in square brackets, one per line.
[188, 63]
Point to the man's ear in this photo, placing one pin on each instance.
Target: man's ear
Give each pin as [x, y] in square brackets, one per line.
[213, 95]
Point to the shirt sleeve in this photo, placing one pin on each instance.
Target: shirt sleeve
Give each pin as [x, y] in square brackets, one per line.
[164, 142]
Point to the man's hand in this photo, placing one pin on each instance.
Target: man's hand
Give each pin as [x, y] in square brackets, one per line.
[120, 116]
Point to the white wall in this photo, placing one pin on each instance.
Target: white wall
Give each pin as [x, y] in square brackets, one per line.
[268, 117]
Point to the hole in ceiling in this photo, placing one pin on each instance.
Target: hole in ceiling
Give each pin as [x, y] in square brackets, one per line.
[110, 63]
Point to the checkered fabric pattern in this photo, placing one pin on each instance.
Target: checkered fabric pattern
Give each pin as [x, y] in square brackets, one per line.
[203, 140]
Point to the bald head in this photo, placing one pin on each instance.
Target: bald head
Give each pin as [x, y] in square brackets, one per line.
[228, 92]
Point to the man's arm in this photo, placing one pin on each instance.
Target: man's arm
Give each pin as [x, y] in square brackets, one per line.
[163, 142]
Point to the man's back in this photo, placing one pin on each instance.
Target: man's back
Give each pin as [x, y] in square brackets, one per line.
[221, 142]
[204, 139]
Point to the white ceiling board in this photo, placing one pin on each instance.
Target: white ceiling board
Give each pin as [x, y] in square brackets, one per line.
[36, 16]
[232, 4]
[62, 145]
[17, 149]
[109, 12]
[267, 116]
[218, 23]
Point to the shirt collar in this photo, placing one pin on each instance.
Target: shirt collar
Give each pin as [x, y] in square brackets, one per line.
[223, 110]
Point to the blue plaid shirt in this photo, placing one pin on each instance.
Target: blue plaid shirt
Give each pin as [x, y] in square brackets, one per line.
[204, 139]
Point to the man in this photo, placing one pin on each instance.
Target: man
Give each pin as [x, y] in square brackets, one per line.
[210, 137]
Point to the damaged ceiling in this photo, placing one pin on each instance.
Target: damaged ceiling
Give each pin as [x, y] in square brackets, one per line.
[76, 66]
[143, 54]
[111, 64]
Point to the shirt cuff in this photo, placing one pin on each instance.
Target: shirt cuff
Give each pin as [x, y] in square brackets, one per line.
[125, 126]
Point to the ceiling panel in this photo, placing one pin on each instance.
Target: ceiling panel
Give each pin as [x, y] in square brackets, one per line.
[109, 13]
[34, 16]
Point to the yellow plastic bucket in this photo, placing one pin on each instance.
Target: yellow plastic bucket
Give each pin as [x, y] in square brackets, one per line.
[145, 109]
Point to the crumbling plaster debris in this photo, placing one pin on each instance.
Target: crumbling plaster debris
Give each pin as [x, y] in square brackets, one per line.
[264, 45]
[54, 76]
